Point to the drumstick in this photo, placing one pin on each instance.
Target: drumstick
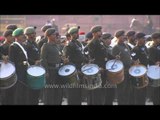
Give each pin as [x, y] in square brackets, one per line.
[115, 61]
[87, 69]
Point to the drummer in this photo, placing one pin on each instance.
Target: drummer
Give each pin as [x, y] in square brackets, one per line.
[18, 55]
[124, 89]
[140, 55]
[51, 61]
[109, 88]
[154, 59]
[74, 51]
[8, 98]
[33, 59]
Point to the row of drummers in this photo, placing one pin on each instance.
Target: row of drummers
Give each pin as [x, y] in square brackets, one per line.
[96, 61]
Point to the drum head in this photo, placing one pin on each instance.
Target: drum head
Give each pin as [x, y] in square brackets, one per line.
[114, 66]
[6, 70]
[90, 69]
[66, 70]
[137, 70]
[154, 72]
[36, 70]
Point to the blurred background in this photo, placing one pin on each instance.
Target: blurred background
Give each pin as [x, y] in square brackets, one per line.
[110, 23]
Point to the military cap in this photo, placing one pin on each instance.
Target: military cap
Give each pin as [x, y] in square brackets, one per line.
[96, 28]
[106, 36]
[119, 33]
[155, 35]
[50, 31]
[29, 30]
[130, 33]
[7, 33]
[89, 35]
[73, 30]
[18, 31]
[45, 27]
[11, 27]
[140, 35]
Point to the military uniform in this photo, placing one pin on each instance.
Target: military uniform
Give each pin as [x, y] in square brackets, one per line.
[98, 52]
[33, 55]
[51, 60]
[154, 56]
[74, 51]
[124, 89]
[18, 55]
[140, 52]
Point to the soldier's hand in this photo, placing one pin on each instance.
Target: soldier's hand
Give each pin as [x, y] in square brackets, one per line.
[65, 60]
[136, 62]
[117, 57]
[158, 63]
[37, 62]
[5, 59]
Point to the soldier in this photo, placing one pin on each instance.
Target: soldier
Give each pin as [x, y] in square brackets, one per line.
[154, 59]
[140, 55]
[124, 89]
[18, 55]
[33, 59]
[109, 87]
[97, 52]
[51, 60]
[8, 95]
[42, 39]
[131, 39]
[11, 27]
[74, 52]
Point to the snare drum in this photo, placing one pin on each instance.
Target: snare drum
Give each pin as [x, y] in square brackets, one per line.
[139, 77]
[115, 71]
[154, 75]
[69, 73]
[36, 77]
[92, 77]
[8, 75]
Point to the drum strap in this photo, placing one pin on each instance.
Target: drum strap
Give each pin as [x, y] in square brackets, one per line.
[24, 51]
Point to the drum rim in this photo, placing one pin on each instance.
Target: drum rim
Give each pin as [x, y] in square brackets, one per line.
[150, 76]
[90, 64]
[117, 71]
[12, 73]
[36, 66]
[138, 65]
[69, 74]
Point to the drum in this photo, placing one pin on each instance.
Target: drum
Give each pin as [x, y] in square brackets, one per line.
[115, 71]
[8, 75]
[92, 77]
[139, 78]
[69, 73]
[154, 75]
[36, 77]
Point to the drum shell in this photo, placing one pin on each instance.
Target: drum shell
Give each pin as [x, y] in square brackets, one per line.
[155, 70]
[9, 81]
[36, 82]
[92, 82]
[115, 77]
[139, 80]
[72, 79]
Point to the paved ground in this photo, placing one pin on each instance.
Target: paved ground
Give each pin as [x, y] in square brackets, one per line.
[84, 103]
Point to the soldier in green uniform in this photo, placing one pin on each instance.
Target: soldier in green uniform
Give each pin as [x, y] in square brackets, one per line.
[124, 89]
[154, 59]
[34, 59]
[74, 52]
[51, 60]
